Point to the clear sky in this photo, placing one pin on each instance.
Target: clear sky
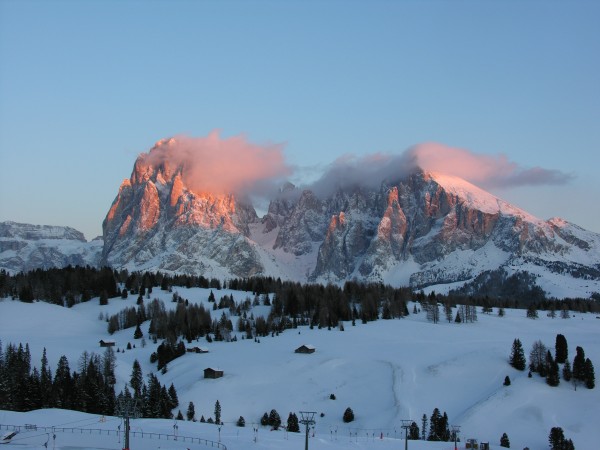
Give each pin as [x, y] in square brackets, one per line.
[85, 86]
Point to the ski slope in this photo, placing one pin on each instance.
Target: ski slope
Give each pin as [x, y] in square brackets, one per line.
[385, 371]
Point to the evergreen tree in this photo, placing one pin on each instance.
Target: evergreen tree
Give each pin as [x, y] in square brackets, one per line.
[556, 438]
[264, 420]
[517, 356]
[63, 385]
[506, 381]
[532, 312]
[423, 427]
[456, 320]
[292, 423]
[500, 312]
[274, 419]
[504, 442]
[173, 398]
[191, 411]
[413, 432]
[137, 334]
[579, 365]
[45, 382]
[561, 349]
[136, 381]
[241, 422]
[589, 377]
[348, 415]
[433, 425]
[553, 377]
[179, 415]
[217, 412]
[566, 372]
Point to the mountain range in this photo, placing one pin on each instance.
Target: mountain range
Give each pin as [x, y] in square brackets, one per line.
[420, 229]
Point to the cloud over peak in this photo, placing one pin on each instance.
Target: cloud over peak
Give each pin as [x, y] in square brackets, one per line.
[221, 165]
[235, 165]
[486, 171]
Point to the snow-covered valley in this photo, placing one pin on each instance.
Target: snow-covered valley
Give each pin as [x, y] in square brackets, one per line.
[386, 371]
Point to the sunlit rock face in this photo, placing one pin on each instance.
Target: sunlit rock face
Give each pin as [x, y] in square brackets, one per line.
[158, 222]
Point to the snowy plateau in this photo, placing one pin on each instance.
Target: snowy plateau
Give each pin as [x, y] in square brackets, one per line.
[386, 371]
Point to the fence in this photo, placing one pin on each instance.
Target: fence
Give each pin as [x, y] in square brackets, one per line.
[99, 431]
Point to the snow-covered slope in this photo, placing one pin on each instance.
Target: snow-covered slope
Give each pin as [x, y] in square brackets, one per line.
[26, 247]
[385, 371]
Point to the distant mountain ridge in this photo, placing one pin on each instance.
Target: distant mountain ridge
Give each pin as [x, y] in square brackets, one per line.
[26, 247]
[421, 229]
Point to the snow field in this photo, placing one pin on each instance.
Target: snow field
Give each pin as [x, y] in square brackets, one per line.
[385, 371]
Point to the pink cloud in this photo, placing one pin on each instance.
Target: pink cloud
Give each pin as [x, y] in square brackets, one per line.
[216, 165]
[488, 171]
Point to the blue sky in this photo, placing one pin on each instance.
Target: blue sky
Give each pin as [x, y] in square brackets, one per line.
[86, 86]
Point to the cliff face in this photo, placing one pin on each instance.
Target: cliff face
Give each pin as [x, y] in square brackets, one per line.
[157, 222]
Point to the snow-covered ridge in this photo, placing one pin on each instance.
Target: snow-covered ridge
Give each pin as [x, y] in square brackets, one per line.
[14, 230]
[26, 247]
[479, 199]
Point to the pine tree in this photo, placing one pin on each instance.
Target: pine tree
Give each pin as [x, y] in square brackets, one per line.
[506, 381]
[504, 442]
[217, 412]
[532, 312]
[413, 432]
[348, 415]
[264, 420]
[173, 399]
[241, 422]
[292, 423]
[553, 377]
[424, 427]
[179, 415]
[45, 382]
[137, 334]
[63, 386]
[458, 318]
[434, 426]
[566, 372]
[517, 356]
[191, 411]
[561, 349]
[136, 381]
[590, 378]
[274, 419]
[579, 365]
[556, 438]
